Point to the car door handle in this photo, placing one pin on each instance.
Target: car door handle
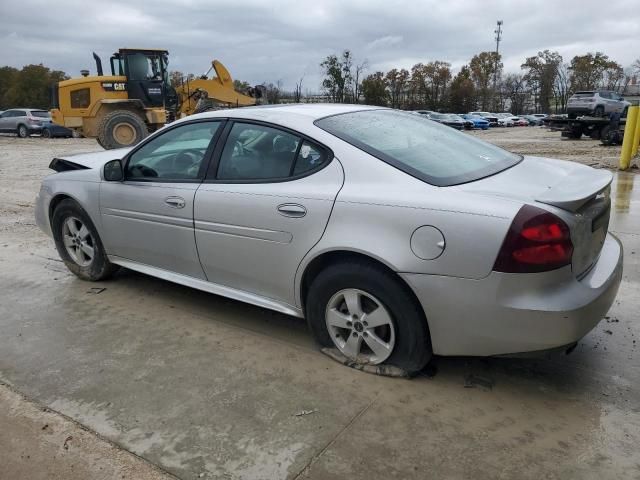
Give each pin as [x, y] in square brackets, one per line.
[292, 210]
[175, 202]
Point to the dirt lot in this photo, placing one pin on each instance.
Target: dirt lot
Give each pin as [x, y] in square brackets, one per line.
[165, 380]
[542, 142]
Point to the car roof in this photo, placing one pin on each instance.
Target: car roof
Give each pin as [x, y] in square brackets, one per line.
[310, 110]
[299, 117]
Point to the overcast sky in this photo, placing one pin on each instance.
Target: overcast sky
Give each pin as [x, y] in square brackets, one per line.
[274, 40]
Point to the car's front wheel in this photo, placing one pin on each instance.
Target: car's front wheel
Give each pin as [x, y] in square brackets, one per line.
[46, 133]
[367, 314]
[78, 243]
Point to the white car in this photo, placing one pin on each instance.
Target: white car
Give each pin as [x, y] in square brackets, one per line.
[394, 237]
[505, 121]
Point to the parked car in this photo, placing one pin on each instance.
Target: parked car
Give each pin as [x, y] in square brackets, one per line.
[533, 120]
[423, 112]
[477, 251]
[467, 124]
[597, 103]
[478, 122]
[23, 121]
[504, 119]
[448, 120]
[52, 130]
[519, 121]
[489, 117]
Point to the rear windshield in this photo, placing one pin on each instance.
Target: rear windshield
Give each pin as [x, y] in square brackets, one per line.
[434, 153]
[39, 113]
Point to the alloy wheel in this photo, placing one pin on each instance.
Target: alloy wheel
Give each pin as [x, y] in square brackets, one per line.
[360, 326]
[78, 241]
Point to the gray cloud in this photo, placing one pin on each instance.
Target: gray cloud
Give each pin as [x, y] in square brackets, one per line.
[284, 39]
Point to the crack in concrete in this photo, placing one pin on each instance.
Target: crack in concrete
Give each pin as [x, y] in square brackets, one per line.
[329, 444]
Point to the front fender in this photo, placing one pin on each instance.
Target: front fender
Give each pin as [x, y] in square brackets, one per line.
[58, 186]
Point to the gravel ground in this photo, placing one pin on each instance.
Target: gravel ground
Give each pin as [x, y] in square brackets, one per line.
[542, 142]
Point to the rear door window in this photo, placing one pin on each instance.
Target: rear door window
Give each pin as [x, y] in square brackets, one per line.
[310, 156]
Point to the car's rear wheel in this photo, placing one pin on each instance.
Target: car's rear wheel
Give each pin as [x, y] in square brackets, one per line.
[369, 316]
[46, 133]
[78, 243]
[23, 131]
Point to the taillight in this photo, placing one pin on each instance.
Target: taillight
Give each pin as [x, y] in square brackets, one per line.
[537, 241]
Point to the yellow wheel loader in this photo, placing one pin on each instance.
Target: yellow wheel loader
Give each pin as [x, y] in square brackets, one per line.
[121, 109]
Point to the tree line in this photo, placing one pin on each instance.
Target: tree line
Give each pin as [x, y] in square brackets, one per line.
[544, 83]
[28, 86]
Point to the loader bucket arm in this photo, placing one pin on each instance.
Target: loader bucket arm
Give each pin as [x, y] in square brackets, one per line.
[224, 77]
[218, 90]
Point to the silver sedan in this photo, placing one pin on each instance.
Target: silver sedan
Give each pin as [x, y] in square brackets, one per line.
[395, 237]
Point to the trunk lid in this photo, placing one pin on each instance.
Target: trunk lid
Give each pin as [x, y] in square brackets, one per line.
[580, 191]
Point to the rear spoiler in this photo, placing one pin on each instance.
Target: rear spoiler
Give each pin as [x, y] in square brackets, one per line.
[61, 165]
[581, 187]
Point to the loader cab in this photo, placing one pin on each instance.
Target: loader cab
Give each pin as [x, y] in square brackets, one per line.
[147, 74]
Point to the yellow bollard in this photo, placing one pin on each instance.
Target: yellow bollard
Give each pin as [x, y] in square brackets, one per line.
[636, 137]
[629, 134]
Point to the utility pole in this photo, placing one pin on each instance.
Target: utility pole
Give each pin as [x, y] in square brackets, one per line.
[498, 32]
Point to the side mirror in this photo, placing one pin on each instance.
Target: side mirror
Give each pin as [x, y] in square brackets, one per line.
[113, 171]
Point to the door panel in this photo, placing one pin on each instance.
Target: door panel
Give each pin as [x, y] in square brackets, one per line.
[253, 236]
[144, 222]
[148, 218]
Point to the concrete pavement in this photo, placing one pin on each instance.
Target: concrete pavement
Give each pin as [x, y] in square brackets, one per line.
[205, 387]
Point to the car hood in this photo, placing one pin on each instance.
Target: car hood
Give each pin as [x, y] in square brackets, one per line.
[563, 184]
[90, 160]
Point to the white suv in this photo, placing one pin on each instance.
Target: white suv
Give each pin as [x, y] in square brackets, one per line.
[597, 103]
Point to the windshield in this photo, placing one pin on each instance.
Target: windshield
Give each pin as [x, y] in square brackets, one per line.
[39, 113]
[434, 153]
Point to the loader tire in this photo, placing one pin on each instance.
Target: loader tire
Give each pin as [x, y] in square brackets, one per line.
[121, 128]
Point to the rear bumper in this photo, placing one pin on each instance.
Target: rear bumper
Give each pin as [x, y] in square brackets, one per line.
[34, 128]
[515, 313]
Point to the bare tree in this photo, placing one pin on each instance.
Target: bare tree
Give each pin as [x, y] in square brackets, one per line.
[562, 87]
[273, 92]
[297, 92]
[514, 88]
[357, 82]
